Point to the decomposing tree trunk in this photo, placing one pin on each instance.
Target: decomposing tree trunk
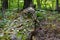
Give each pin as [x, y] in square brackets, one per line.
[29, 8]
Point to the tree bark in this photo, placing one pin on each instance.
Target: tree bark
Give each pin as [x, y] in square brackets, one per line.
[38, 3]
[27, 3]
[4, 4]
[57, 4]
[4, 7]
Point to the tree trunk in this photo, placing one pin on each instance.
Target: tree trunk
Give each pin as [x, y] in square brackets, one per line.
[57, 4]
[38, 4]
[27, 3]
[4, 7]
[4, 4]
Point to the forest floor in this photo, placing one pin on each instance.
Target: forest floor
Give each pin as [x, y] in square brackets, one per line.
[49, 27]
[22, 26]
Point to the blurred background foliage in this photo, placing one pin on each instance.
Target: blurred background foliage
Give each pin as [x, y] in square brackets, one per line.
[45, 4]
